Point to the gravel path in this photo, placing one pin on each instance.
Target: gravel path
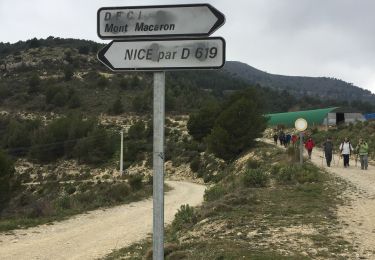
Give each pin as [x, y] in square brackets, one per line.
[97, 233]
[358, 216]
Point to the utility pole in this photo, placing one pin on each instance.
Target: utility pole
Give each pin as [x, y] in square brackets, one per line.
[158, 164]
[122, 152]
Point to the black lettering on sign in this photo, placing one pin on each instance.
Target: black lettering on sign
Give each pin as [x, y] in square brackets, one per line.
[129, 54]
[115, 28]
[153, 27]
[107, 16]
[185, 53]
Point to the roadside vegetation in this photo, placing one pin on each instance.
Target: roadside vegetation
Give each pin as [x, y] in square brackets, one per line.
[53, 169]
[53, 199]
[264, 207]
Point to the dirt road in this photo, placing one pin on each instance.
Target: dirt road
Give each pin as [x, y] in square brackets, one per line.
[358, 216]
[97, 233]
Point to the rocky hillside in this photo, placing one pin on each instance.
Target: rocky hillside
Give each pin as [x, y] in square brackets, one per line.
[63, 75]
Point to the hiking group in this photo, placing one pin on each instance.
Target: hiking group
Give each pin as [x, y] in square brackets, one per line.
[345, 149]
[285, 139]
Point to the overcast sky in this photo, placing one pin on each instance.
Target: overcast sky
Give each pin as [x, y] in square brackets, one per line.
[333, 38]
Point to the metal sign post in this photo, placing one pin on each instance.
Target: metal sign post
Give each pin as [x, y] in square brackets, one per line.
[301, 125]
[301, 148]
[145, 44]
[158, 165]
[122, 152]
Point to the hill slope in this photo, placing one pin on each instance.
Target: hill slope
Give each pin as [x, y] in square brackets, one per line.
[61, 75]
[323, 87]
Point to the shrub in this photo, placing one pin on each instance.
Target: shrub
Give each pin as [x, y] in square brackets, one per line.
[195, 164]
[201, 123]
[34, 83]
[255, 178]
[295, 174]
[68, 73]
[253, 164]
[117, 107]
[286, 175]
[84, 49]
[137, 130]
[102, 82]
[237, 126]
[63, 203]
[40, 208]
[118, 192]
[135, 181]
[185, 217]
[70, 189]
[214, 193]
[85, 198]
[6, 175]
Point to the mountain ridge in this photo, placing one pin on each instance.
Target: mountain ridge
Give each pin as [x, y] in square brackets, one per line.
[322, 87]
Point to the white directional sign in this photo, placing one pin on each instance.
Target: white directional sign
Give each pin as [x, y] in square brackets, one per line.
[164, 54]
[161, 20]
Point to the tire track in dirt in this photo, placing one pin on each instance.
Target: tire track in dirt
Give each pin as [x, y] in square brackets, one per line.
[97, 233]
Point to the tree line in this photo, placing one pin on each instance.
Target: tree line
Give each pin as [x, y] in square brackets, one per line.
[68, 137]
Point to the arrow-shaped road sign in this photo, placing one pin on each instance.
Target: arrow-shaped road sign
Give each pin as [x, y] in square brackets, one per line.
[158, 20]
[164, 54]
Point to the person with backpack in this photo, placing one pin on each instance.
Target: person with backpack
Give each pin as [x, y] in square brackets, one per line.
[362, 151]
[287, 139]
[282, 137]
[275, 137]
[346, 148]
[309, 145]
[328, 148]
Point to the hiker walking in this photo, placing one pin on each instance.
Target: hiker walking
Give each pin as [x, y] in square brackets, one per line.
[281, 137]
[346, 148]
[309, 145]
[294, 140]
[275, 137]
[328, 148]
[362, 151]
[287, 139]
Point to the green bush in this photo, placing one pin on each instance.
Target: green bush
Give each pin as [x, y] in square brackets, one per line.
[102, 82]
[214, 193]
[195, 164]
[84, 198]
[118, 192]
[116, 108]
[68, 73]
[135, 181]
[34, 83]
[185, 217]
[286, 175]
[70, 189]
[137, 130]
[201, 123]
[253, 164]
[6, 175]
[292, 174]
[63, 203]
[237, 126]
[255, 178]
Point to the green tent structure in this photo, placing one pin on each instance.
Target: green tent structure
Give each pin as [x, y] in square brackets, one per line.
[313, 117]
